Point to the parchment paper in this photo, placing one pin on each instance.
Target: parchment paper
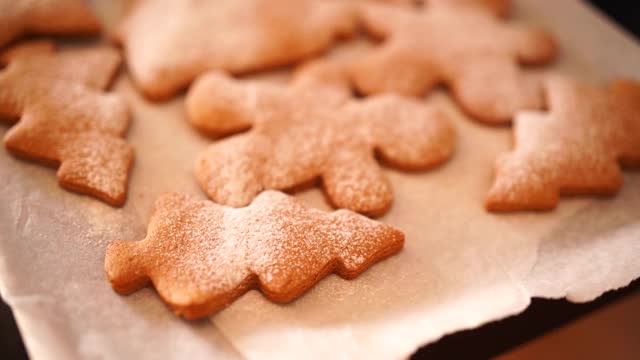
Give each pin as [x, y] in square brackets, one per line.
[461, 266]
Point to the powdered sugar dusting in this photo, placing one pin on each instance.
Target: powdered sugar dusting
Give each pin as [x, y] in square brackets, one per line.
[575, 149]
[64, 118]
[197, 252]
[229, 35]
[463, 47]
[311, 130]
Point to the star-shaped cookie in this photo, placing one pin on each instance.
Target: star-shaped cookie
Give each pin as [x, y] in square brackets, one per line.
[165, 53]
[575, 149]
[201, 256]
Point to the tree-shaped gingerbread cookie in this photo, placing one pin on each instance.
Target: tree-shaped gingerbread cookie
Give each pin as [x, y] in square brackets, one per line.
[575, 149]
[461, 44]
[64, 118]
[229, 35]
[311, 130]
[201, 256]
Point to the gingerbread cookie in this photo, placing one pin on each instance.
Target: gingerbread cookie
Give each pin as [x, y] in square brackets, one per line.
[26, 48]
[48, 17]
[575, 149]
[66, 119]
[311, 130]
[499, 8]
[397, 2]
[201, 256]
[230, 35]
[473, 52]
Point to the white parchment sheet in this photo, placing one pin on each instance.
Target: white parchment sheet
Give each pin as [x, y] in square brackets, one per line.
[461, 266]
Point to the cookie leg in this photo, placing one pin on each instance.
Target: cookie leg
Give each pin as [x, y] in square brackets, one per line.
[230, 171]
[97, 165]
[393, 70]
[492, 89]
[217, 104]
[353, 180]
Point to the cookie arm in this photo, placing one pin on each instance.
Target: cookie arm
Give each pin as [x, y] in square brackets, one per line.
[407, 134]
[393, 68]
[219, 105]
[493, 88]
[323, 73]
[532, 46]
[335, 16]
[381, 20]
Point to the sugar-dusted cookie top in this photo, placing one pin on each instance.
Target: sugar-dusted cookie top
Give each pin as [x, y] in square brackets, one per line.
[311, 130]
[45, 17]
[166, 52]
[469, 49]
[64, 118]
[575, 149]
[497, 7]
[201, 256]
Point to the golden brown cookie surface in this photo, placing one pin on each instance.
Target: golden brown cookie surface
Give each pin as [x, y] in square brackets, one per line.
[497, 7]
[230, 35]
[470, 50]
[46, 17]
[201, 256]
[311, 129]
[64, 117]
[575, 149]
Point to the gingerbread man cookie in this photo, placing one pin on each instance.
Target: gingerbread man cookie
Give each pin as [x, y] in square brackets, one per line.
[201, 256]
[230, 35]
[49, 17]
[474, 53]
[65, 119]
[575, 149]
[311, 130]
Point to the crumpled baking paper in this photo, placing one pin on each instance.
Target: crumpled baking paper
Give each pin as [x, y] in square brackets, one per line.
[461, 266]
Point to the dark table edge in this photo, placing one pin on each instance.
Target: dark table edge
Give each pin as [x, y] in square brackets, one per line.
[495, 338]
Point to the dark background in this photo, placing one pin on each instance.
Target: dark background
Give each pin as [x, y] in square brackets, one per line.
[487, 341]
[624, 12]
